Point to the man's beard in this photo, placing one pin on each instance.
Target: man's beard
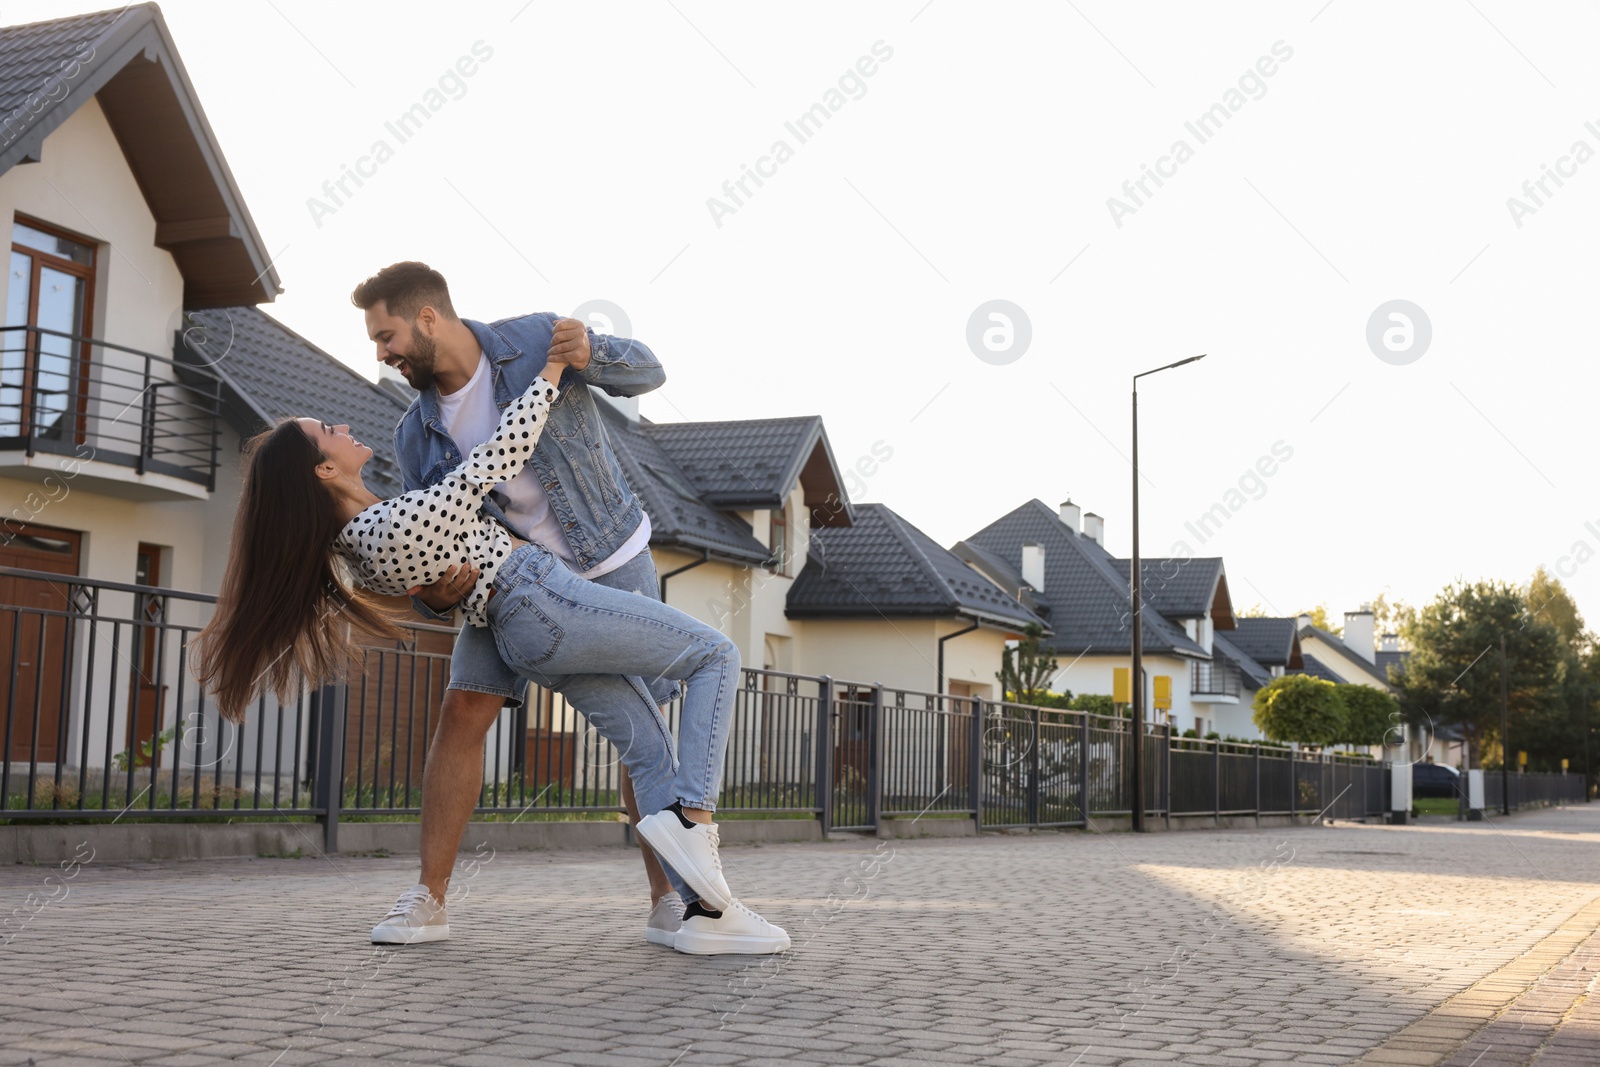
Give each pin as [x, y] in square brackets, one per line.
[419, 361]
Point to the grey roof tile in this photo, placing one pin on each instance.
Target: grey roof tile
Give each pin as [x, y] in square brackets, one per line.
[1086, 593]
[745, 463]
[678, 516]
[1317, 669]
[1271, 642]
[1178, 588]
[883, 565]
[33, 55]
[273, 373]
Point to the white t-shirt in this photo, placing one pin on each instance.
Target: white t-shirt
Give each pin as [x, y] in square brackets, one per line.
[469, 416]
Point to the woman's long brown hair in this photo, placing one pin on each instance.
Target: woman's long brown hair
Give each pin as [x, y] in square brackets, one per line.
[284, 614]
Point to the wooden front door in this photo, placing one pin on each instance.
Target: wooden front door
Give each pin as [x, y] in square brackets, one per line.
[38, 646]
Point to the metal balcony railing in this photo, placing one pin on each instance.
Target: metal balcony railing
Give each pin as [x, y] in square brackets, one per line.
[85, 397]
[1220, 677]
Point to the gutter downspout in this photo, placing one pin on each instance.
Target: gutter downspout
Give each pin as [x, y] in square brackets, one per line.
[940, 687]
[686, 567]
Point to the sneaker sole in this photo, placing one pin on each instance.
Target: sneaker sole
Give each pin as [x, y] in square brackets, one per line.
[667, 848]
[660, 937]
[414, 936]
[696, 944]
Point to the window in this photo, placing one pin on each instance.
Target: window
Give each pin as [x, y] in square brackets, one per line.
[778, 541]
[44, 367]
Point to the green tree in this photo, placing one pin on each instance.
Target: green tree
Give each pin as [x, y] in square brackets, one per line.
[1319, 619]
[1453, 675]
[1298, 707]
[1254, 611]
[1369, 715]
[1391, 616]
[1026, 670]
[1549, 601]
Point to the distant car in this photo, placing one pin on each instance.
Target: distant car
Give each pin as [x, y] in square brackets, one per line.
[1435, 780]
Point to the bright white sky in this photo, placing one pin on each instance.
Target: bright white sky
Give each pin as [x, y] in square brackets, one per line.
[977, 166]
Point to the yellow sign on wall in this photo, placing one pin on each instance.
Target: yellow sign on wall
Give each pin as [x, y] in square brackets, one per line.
[1163, 691]
[1522, 759]
[1121, 686]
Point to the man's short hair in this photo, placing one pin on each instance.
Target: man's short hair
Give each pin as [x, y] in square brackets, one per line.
[405, 289]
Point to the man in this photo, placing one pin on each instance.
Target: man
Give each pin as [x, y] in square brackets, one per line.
[573, 499]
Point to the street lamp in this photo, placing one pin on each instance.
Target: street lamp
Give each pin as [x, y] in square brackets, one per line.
[1137, 675]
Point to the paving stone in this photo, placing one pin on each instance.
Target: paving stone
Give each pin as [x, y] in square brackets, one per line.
[1375, 942]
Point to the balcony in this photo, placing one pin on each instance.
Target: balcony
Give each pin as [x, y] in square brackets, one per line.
[1216, 682]
[131, 423]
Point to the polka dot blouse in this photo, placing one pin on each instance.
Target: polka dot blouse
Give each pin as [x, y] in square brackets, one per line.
[411, 540]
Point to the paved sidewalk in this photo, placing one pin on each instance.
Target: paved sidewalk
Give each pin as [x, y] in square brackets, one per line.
[1421, 944]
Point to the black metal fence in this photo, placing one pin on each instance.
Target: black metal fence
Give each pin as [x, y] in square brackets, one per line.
[102, 719]
[1530, 789]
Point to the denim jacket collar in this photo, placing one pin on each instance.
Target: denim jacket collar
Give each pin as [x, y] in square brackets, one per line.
[496, 346]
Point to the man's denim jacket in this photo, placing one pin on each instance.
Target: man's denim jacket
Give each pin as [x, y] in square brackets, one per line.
[588, 494]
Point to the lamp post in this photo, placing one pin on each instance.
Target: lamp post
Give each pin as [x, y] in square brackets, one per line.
[1136, 675]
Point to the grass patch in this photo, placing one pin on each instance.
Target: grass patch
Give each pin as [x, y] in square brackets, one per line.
[1436, 805]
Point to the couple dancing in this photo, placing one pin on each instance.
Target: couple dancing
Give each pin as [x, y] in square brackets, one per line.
[517, 513]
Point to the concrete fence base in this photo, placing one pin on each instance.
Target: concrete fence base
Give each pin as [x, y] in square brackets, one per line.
[149, 842]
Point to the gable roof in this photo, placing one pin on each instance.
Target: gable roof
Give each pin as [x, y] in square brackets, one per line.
[678, 516]
[756, 463]
[269, 372]
[1184, 588]
[1270, 642]
[882, 565]
[1336, 643]
[1249, 666]
[1086, 594]
[127, 60]
[1317, 669]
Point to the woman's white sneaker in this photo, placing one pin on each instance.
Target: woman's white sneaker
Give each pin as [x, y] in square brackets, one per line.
[736, 930]
[691, 849]
[665, 918]
[415, 917]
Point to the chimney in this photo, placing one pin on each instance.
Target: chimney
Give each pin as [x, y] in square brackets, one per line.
[1094, 526]
[1389, 643]
[1303, 621]
[1069, 515]
[1033, 566]
[1360, 632]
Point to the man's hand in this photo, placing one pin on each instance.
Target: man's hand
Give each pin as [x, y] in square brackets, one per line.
[569, 344]
[447, 592]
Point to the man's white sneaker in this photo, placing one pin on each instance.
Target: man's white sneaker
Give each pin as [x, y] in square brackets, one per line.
[665, 918]
[734, 931]
[689, 848]
[415, 917]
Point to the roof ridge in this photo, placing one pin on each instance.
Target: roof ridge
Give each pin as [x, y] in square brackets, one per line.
[897, 522]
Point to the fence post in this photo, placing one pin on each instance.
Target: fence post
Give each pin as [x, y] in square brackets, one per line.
[975, 763]
[1166, 776]
[1294, 784]
[329, 704]
[875, 760]
[1083, 767]
[1216, 783]
[1256, 766]
[824, 753]
[1033, 770]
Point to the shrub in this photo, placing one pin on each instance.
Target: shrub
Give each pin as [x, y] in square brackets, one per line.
[1300, 708]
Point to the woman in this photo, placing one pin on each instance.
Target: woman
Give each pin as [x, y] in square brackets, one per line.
[280, 614]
